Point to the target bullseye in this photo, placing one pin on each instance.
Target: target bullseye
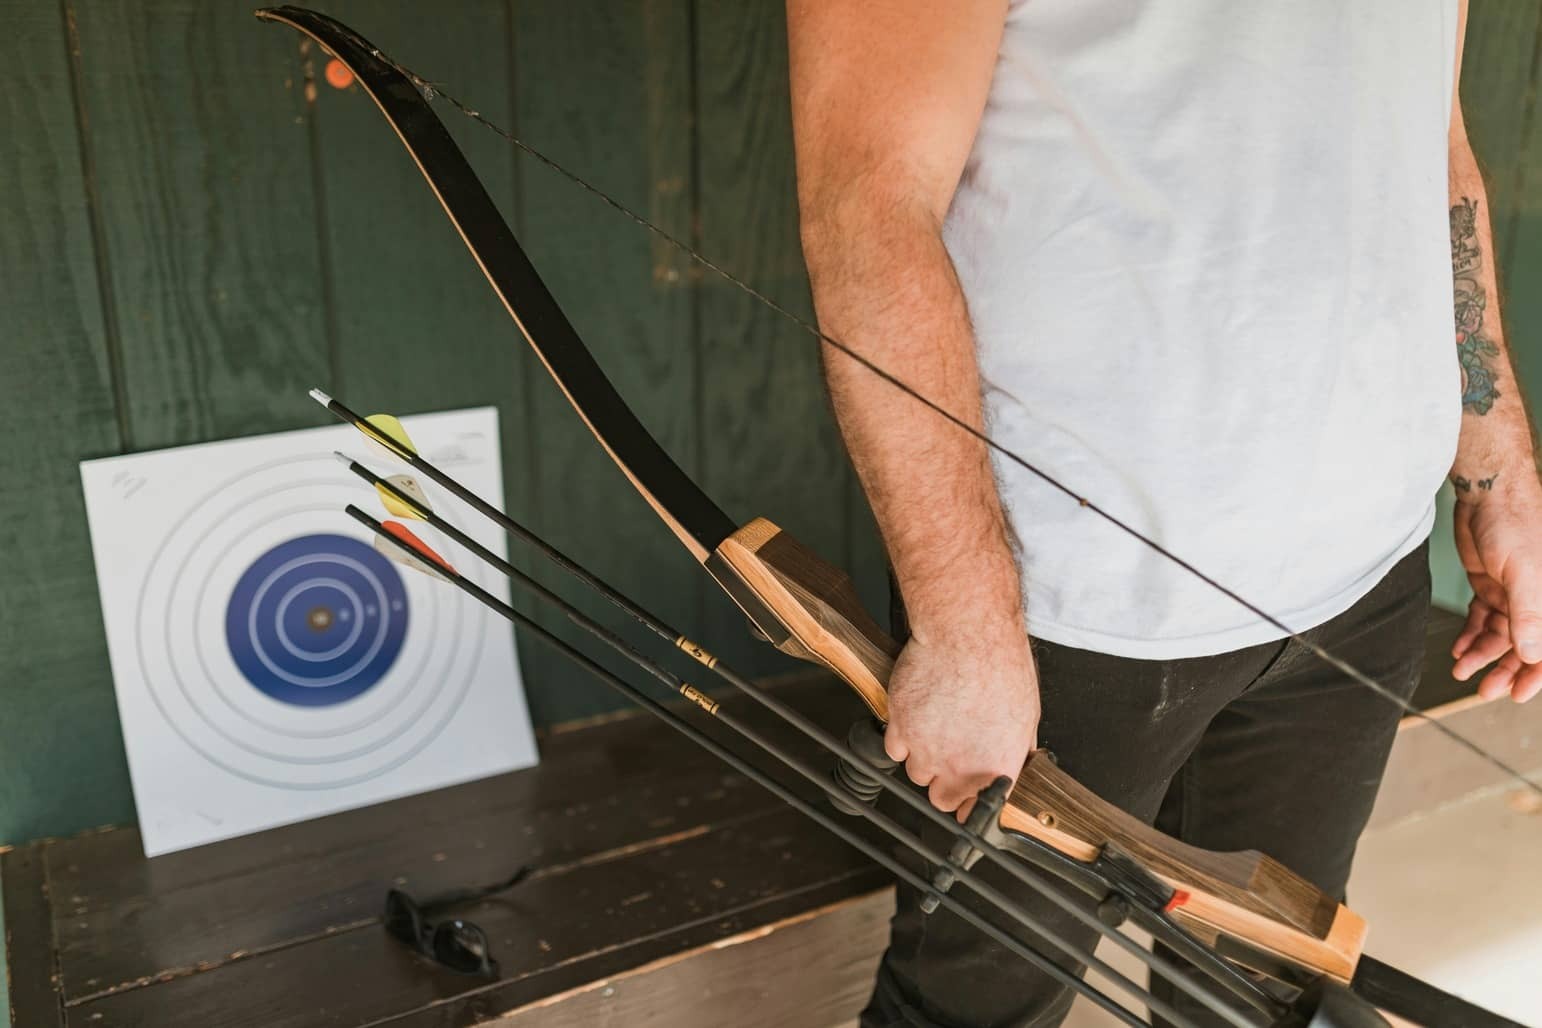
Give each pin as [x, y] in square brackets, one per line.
[285, 627]
[270, 663]
[344, 667]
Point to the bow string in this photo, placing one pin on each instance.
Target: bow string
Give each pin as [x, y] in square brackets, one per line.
[432, 90]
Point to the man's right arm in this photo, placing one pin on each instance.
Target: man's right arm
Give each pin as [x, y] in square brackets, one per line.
[886, 100]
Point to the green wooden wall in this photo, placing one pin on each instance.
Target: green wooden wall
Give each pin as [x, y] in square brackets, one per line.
[195, 228]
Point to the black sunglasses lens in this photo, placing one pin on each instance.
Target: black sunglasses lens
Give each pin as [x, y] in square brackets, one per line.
[461, 946]
[402, 919]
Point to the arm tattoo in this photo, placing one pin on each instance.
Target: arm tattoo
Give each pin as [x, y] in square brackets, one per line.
[1466, 484]
[1474, 350]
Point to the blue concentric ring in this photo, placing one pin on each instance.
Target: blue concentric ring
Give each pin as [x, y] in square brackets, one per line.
[317, 620]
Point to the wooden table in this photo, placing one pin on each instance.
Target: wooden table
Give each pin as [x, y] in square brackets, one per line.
[668, 891]
[660, 875]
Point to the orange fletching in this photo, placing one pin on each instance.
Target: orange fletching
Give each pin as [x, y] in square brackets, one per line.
[416, 545]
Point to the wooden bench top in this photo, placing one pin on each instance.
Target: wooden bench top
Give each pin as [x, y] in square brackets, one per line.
[668, 890]
[643, 846]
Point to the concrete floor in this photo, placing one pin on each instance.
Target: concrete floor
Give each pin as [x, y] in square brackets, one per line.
[1453, 896]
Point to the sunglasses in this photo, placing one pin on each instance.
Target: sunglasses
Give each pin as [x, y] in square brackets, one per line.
[455, 944]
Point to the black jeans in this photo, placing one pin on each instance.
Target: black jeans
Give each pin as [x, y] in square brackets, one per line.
[1263, 748]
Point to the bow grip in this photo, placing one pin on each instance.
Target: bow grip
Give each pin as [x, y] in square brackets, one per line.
[812, 605]
[1243, 895]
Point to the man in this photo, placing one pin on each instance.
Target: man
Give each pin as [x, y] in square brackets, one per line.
[1195, 259]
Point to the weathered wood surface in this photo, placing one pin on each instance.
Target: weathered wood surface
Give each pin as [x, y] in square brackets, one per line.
[607, 94]
[33, 972]
[650, 857]
[61, 754]
[199, 228]
[831, 954]
[198, 133]
[643, 848]
[411, 324]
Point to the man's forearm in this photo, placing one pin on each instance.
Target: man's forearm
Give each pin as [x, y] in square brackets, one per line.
[1495, 445]
[884, 285]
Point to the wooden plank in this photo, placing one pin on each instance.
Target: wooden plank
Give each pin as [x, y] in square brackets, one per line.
[600, 793]
[1508, 123]
[700, 938]
[5, 970]
[1497, 69]
[199, 133]
[605, 91]
[416, 326]
[831, 953]
[772, 447]
[32, 973]
[640, 902]
[63, 756]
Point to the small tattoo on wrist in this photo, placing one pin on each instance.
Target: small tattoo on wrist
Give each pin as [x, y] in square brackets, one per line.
[1466, 485]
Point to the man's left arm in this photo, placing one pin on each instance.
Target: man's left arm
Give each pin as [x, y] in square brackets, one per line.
[1498, 495]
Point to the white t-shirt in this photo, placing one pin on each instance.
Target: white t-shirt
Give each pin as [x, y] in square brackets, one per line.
[1205, 247]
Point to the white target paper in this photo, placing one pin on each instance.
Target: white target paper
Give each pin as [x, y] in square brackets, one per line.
[270, 664]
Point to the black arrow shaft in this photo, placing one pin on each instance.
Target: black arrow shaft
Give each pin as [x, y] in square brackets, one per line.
[1059, 972]
[1155, 921]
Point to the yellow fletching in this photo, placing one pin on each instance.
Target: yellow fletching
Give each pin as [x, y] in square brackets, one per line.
[408, 485]
[400, 444]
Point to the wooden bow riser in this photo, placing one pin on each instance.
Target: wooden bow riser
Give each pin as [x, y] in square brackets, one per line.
[817, 607]
[1245, 895]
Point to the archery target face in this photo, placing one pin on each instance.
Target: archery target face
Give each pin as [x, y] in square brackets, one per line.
[270, 663]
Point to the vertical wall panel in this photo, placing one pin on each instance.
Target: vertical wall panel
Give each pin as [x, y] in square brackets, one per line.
[606, 93]
[199, 138]
[1497, 98]
[1496, 72]
[1500, 89]
[61, 758]
[772, 448]
[233, 207]
[415, 323]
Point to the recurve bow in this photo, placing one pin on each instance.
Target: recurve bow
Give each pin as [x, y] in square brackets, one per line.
[1258, 911]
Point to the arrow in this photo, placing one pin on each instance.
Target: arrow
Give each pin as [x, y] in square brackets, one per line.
[1165, 930]
[1372, 979]
[1040, 854]
[421, 510]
